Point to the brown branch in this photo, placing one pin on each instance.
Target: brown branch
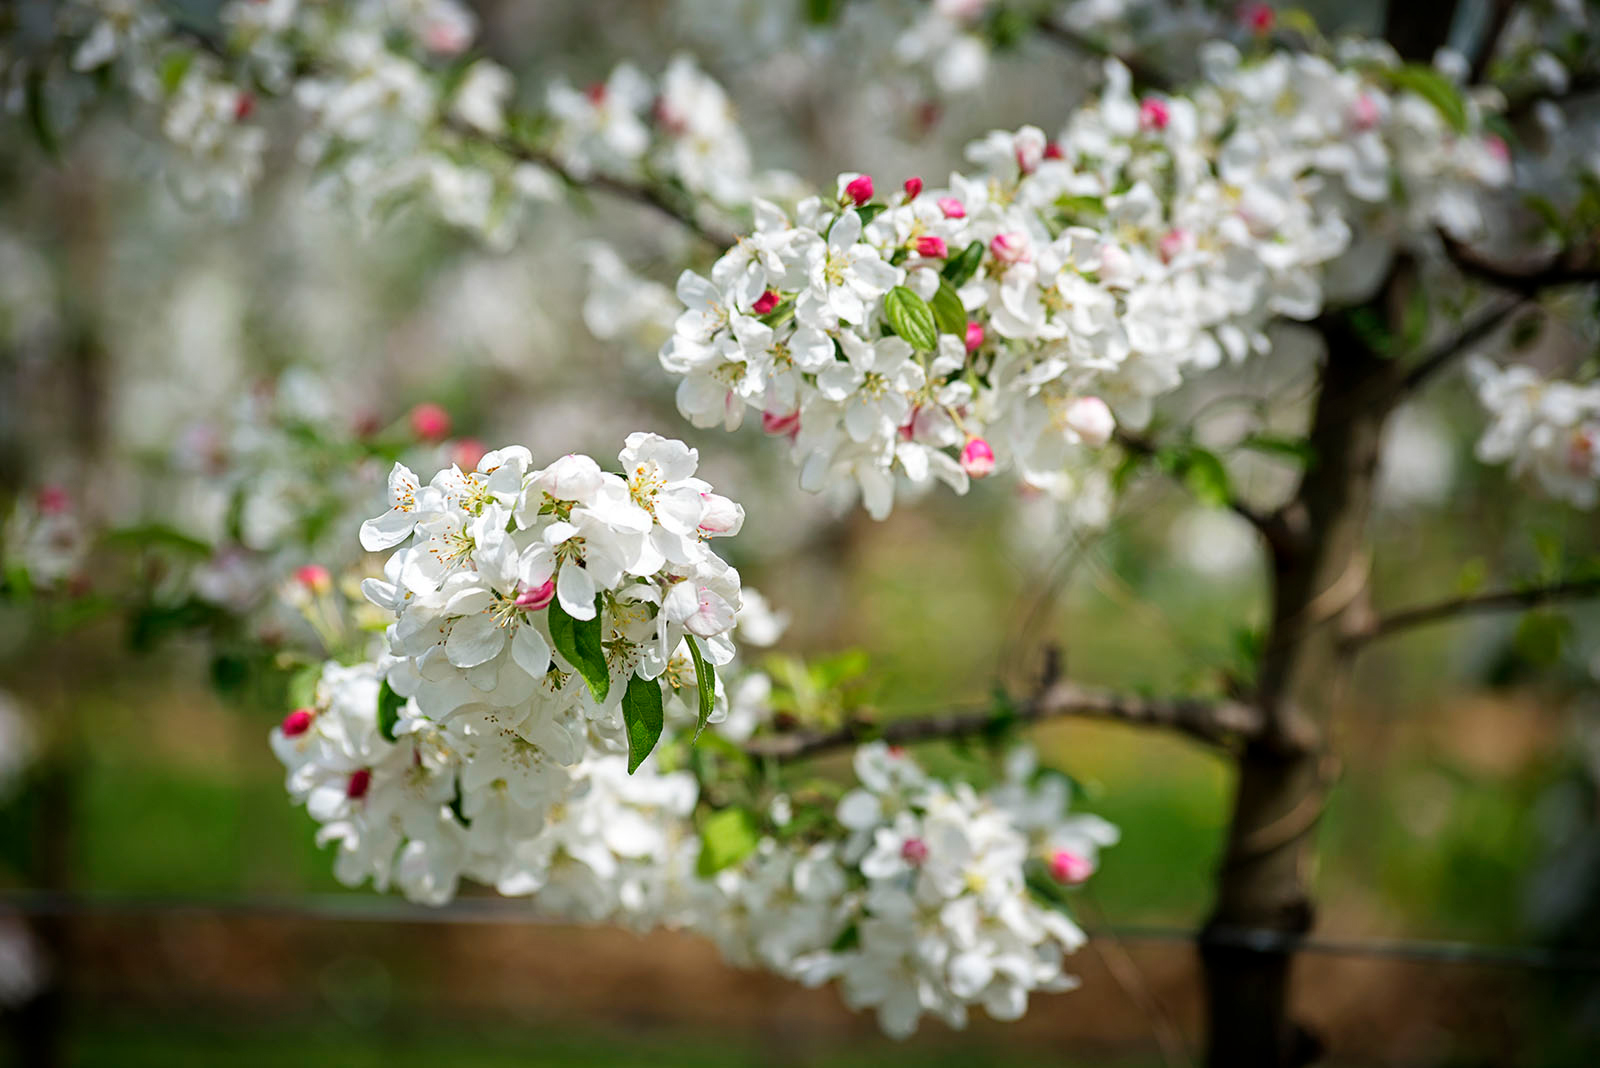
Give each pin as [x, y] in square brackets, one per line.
[1499, 14]
[1215, 723]
[1446, 352]
[1499, 601]
[1570, 267]
[1144, 72]
[1271, 525]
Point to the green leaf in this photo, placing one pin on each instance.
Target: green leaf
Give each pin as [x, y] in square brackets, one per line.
[303, 686]
[389, 706]
[727, 836]
[958, 270]
[779, 315]
[848, 939]
[1077, 205]
[153, 536]
[642, 717]
[1285, 445]
[868, 212]
[1206, 478]
[948, 312]
[38, 109]
[578, 641]
[1436, 89]
[1540, 637]
[174, 65]
[821, 12]
[705, 679]
[911, 318]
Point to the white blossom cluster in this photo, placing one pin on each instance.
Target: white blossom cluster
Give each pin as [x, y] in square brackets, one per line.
[532, 603]
[927, 902]
[1548, 429]
[1003, 317]
[380, 113]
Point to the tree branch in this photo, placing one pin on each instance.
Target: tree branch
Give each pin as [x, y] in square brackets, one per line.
[1144, 73]
[1499, 14]
[1570, 267]
[1214, 723]
[1271, 525]
[1499, 601]
[1447, 351]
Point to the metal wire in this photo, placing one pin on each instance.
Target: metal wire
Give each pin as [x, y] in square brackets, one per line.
[353, 908]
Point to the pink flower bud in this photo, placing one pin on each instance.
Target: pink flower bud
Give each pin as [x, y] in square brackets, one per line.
[913, 188]
[1154, 114]
[244, 106]
[859, 189]
[1009, 248]
[1052, 150]
[446, 37]
[1581, 450]
[1067, 867]
[297, 722]
[53, 500]
[533, 598]
[430, 422]
[1172, 244]
[360, 783]
[952, 208]
[977, 459]
[1091, 420]
[1497, 147]
[765, 302]
[779, 423]
[467, 453]
[1259, 17]
[596, 92]
[1364, 112]
[914, 851]
[974, 336]
[932, 247]
[314, 577]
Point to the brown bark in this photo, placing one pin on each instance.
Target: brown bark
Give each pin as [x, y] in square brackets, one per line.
[1319, 570]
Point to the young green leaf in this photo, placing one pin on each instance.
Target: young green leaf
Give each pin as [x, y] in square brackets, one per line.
[389, 706]
[963, 266]
[578, 640]
[911, 318]
[705, 678]
[1436, 89]
[948, 313]
[642, 718]
[726, 837]
[1206, 477]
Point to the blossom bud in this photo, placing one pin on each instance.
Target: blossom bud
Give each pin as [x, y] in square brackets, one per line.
[467, 453]
[430, 422]
[1068, 867]
[1052, 150]
[1009, 248]
[1497, 147]
[244, 106]
[765, 302]
[952, 208]
[1581, 450]
[914, 851]
[1172, 244]
[778, 423]
[913, 188]
[859, 189]
[1364, 112]
[974, 336]
[932, 247]
[1154, 114]
[1259, 17]
[533, 598]
[297, 722]
[721, 517]
[977, 459]
[596, 92]
[1091, 420]
[314, 577]
[360, 783]
[53, 500]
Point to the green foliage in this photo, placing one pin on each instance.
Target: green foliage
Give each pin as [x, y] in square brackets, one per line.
[579, 641]
[1433, 87]
[642, 718]
[961, 267]
[910, 317]
[948, 312]
[821, 692]
[389, 706]
[727, 836]
[705, 678]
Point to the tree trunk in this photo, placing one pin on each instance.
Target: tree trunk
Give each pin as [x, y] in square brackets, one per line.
[1319, 569]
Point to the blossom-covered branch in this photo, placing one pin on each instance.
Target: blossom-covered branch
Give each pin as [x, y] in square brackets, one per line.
[1221, 723]
[1472, 604]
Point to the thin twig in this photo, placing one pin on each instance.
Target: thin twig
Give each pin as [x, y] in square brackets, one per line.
[1144, 72]
[1270, 525]
[1570, 267]
[1499, 15]
[1499, 601]
[1447, 351]
[1215, 723]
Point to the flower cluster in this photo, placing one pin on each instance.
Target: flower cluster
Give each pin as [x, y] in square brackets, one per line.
[1550, 429]
[543, 605]
[1002, 318]
[930, 900]
[44, 542]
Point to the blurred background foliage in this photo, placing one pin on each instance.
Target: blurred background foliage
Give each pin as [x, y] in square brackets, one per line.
[1466, 808]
